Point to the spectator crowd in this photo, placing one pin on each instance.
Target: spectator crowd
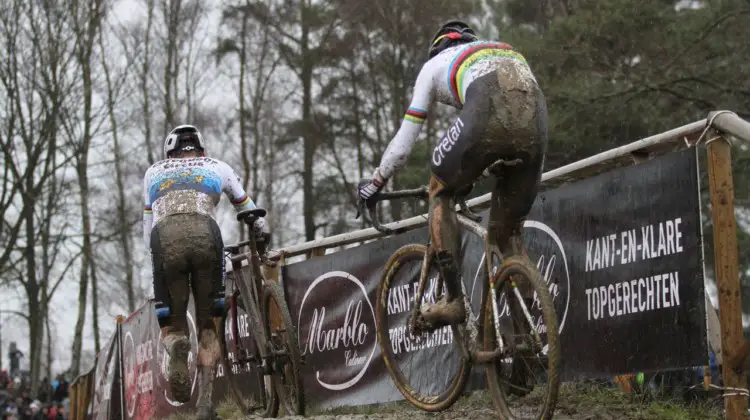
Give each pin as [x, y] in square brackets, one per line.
[16, 402]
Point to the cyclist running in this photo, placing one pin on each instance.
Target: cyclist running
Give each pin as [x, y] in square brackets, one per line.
[503, 116]
[181, 193]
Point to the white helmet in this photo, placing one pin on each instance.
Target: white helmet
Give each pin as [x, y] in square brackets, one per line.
[179, 133]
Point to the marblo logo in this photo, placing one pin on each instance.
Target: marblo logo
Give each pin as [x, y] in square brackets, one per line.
[354, 335]
[555, 262]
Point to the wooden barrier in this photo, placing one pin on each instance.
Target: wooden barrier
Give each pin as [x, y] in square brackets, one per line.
[81, 391]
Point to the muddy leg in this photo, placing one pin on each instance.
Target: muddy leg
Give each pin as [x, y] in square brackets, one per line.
[206, 274]
[176, 340]
[446, 239]
[516, 192]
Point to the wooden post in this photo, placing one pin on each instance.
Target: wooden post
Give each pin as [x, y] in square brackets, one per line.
[726, 266]
[272, 274]
[316, 252]
[73, 401]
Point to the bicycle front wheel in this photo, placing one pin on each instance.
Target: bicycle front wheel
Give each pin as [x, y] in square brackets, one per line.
[427, 369]
[282, 338]
[520, 307]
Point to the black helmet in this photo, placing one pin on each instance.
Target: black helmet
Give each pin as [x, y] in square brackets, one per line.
[451, 31]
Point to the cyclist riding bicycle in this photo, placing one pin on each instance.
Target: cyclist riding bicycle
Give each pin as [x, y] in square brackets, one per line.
[503, 116]
[181, 193]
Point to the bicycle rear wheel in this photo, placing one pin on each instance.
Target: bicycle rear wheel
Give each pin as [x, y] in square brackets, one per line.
[282, 337]
[396, 295]
[269, 402]
[526, 353]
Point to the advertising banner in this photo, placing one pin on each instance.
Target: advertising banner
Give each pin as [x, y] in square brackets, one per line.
[145, 366]
[621, 254]
[333, 299]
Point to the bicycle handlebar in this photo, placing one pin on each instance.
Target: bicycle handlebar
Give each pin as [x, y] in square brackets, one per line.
[421, 192]
[371, 204]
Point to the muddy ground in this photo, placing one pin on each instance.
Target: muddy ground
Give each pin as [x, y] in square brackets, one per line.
[575, 402]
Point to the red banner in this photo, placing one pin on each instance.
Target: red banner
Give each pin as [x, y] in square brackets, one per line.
[146, 389]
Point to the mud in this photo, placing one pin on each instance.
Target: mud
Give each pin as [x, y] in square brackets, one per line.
[179, 377]
[574, 403]
[579, 402]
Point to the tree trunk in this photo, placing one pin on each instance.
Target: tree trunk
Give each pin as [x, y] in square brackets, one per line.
[124, 229]
[36, 314]
[86, 38]
[145, 73]
[306, 73]
[48, 372]
[95, 304]
[172, 15]
[243, 124]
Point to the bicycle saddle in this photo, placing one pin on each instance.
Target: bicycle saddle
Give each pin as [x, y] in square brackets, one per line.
[250, 216]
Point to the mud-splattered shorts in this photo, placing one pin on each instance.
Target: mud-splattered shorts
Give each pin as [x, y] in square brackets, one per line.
[187, 253]
[504, 117]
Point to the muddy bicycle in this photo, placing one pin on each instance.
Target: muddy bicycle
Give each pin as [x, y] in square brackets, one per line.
[274, 348]
[512, 340]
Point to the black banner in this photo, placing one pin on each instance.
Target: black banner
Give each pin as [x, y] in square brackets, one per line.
[332, 299]
[620, 252]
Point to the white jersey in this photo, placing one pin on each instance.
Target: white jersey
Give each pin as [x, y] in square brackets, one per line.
[189, 185]
[445, 78]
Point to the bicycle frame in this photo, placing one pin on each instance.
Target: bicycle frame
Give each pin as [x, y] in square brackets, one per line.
[424, 272]
[251, 298]
[469, 221]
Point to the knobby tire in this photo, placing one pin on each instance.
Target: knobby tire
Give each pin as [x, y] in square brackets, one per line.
[432, 403]
[521, 267]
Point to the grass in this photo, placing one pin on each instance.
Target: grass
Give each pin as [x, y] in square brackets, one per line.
[589, 399]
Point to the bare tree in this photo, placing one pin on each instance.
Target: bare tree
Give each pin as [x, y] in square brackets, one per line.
[33, 155]
[144, 76]
[87, 23]
[124, 226]
[256, 89]
[306, 37]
